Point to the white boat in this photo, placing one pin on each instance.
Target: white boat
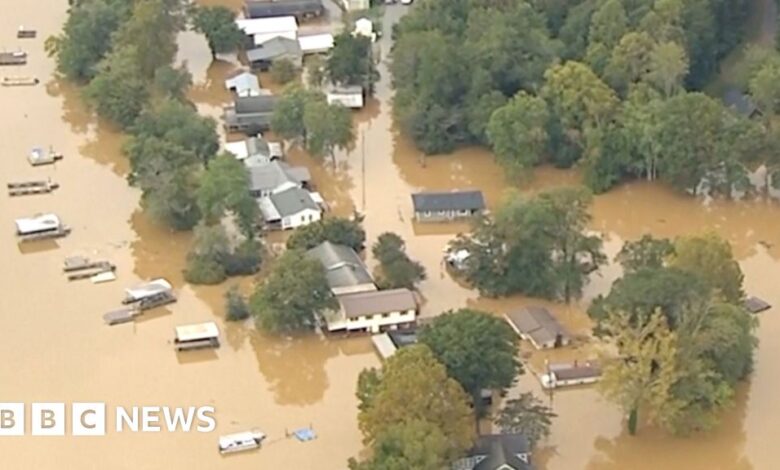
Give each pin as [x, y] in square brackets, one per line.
[37, 157]
[199, 335]
[19, 81]
[241, 441]
[40, 226]
[143, 291]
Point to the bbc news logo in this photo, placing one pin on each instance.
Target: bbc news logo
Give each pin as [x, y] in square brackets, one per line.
[90, 419]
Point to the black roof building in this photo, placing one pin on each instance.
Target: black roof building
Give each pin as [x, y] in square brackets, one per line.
[298, 8]
[498, 452]
[448, 201]
[250, 114]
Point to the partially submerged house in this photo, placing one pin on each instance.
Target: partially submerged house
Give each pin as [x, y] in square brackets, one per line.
[274, 49]
[444, 206]
[263, 29]
[570, 374]
[197, 336]
[255, 151]
[291, 208]
[316, 43]
[346, 272]
[249, 114]
[374, 311]
[276, 177]
[347, 96]
[40, 227]
[300, 9]
[497, 452]
[389, 342]
[537, 325]
[244, 84]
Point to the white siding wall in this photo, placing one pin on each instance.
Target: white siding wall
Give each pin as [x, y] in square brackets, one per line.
[374, 322]
[302, 218]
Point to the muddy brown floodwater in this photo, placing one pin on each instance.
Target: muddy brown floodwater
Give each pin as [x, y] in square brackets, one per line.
[55, 347]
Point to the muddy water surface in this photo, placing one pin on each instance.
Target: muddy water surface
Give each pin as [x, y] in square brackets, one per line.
[56, 348]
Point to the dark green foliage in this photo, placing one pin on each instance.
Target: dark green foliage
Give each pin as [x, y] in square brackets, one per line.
[215, 256]
[528, 416]
[395, 268]
[172, 82]
[294, 294]
[351, 61]
[86, 37]
[414, 445]
[218, 24]
[235, 305]
[477, 348]
[645, 253]
[223, 188]
[118, 92]
[245, 259]
[334, 229]
[283, 71]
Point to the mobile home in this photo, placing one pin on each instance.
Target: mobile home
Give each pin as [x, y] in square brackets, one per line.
[40, 227]
[152, 294]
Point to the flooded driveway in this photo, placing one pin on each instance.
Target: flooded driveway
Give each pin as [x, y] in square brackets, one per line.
[56, 348]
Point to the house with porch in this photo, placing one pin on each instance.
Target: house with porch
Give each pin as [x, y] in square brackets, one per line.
[447, 206]
[497, 452]
[373, 311]
[276, 177]
[290, 208]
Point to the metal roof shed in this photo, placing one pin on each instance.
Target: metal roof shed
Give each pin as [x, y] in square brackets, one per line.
[281, 24]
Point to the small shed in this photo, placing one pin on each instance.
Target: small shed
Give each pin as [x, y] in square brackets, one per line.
[570, 374]
[347, 96]
[262, 26]
[244, 84]
[539, 326]
[444, 206]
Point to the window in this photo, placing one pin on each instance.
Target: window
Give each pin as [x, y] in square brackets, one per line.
[385, 315]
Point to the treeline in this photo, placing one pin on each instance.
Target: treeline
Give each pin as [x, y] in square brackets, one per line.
[606, 84]
[122, 54]
[683, 337]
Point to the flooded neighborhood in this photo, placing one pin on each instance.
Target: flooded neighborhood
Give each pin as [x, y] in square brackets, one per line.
[57, 348]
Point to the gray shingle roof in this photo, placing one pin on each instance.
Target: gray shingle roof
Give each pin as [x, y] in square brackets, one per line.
[739, 102]
[292, 201]
[538, 323]
[374, 302]
[343, 266]
[447, 201]
[270, 176]
[275, 48]
[255, 104]
[501, 451]
[266, 9]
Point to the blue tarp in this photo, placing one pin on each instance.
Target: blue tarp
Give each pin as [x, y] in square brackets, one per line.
[305, 434]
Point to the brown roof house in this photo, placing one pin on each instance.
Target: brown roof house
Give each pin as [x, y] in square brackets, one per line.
[537, 325]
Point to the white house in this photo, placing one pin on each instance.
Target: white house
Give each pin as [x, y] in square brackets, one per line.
[264, 29]
[291, 208]
[255, 151]
[276, 177]
[374, 311]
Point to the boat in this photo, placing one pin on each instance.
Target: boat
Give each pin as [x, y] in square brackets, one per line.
[80, 263]
[26, 33]
[197, 336]
[13, 58]
[19, 81]
[40, 227]
[120, 316]
[38, 157]
[145, 291]
[240, 442]
[26, 188]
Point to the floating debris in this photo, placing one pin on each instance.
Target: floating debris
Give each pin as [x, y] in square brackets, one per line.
[13, 58]
[241, 441]
[19, 81]
[38, 157]
[756, 305]
[124, 315]
[27, 188]
[26, 33]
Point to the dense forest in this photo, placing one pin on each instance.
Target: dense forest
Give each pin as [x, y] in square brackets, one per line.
[611, 85]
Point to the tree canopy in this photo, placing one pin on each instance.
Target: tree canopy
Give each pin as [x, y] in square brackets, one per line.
[333, 229]
[395, 268]
[218, 25]
[526, 415]
[478, 350]
[351, 61]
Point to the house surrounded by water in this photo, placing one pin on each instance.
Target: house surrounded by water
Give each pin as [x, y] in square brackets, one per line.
[278, 48]
[346, 272]
[539, 326]
[446, 206]
[291, 208]
[374, 311]
[249, 114]
[497, 452]
[275, 177]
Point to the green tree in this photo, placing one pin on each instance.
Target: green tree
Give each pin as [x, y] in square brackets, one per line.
[608, 24]
[328, 127]
[350, 62]
[152, 31]
[528, 416]
[517, 131]
[478, 349]
[644, 253]
[283, 71]
[413, 386]
[629, 60]
[395, 268]
[293, 295]
[315, 72]
[333, 229]
[86, 37]
[287, 120]
[411, 445]
[172, 82]
[668, 67]
[118, 91]
[642, 376]
[218, 24]
[225, 187]
[710, 258]
[235, 305]
[204, 261]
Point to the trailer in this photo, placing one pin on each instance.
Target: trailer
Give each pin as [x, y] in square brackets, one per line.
[26, 33]
[19, 81]
[241, 441]
[148, 290]
[40, 227]
[197, 336]
[117, 317]
[80, 263]
[27, 188]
